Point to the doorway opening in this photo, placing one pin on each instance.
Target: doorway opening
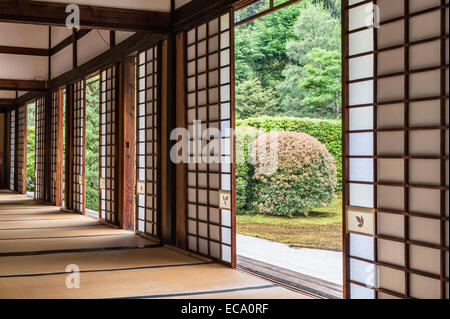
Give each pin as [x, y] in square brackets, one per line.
[92, 146]
[31, 148]
[288, 143]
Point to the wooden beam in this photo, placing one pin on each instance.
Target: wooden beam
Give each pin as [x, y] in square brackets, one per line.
[181, 190]
[7, 102]
[50, 13]
[23, 51]
[23, 85]
[125, 139]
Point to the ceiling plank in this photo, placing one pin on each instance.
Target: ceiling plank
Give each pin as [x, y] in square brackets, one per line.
[23, 51]
[23, 85]
[50, 13]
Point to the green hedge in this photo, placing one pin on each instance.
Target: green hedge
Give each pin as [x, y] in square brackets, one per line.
[328, 132]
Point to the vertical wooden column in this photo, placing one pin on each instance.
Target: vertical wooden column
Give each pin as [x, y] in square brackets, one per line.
[68, 181]
[125, 142]
[7, 156]
[181, 122]
[16, 152]
[59, 147]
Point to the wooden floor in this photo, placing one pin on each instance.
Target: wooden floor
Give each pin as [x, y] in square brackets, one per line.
[38, 242]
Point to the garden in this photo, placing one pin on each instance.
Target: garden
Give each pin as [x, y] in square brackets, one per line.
[288, 125]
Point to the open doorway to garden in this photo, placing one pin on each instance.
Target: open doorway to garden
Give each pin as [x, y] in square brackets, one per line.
[288, 142]
[92, 145]
[31, 148]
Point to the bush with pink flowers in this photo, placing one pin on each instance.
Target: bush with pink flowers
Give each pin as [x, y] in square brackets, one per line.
[294, 173]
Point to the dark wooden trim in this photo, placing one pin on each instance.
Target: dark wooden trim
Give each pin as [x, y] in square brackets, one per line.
[23, 51]
[125, 141]
[7, 102]
[59, 148]
[23, 85]
[261, 14]
[112, 39]
[181, 189]
[50, 13]
[345, 152]
[164, 140]
[74, 49]
[16, 151]
[7, 158]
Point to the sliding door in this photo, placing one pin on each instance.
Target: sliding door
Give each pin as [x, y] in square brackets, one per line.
[148, 147]
[209, 107]
[396, 192]
[39, 189]
[107, 144]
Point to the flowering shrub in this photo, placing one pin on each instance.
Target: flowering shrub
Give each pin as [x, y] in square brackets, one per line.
[304, 175]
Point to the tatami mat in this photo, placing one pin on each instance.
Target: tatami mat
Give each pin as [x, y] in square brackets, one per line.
[36, 249]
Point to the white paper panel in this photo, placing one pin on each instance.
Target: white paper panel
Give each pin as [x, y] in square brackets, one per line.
[361, 92]
[359, 292]
[361, 144]
[391, 279]
[425, 84]
[391, 89]
[425, 259]
[425, 55]
[391, 252]
[424, 287]
[361, 195]
[360, 118]
[361, 169]
[390, 170]
[426, 113]
[424, 230]
[425, 172]
[361, 67]
[390, 198]
[391, 61]
[360, 42]
[361, 246]
[425, 142]
[362, 272]
[391, 225]
[425, 26]
[390, 116]
[390, 34]
[389, 9]
[390, 143]
[419, 5]
[358, 16]
[425, 201]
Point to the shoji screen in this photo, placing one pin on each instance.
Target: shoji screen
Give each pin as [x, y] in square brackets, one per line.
[56, 152]
[107, 141]
[12, 149]
[209, 99]
[39, 190]
[148, 146]
[21, 148]
[396, 150]
[78, 142]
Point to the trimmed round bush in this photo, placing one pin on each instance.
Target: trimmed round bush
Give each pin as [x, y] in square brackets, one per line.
[295, 172]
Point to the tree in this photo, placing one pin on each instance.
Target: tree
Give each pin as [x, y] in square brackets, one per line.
[31, 147]
[315, 28]
[254, 100]
[322, 84]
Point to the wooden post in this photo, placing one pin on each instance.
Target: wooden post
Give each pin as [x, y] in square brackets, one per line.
[180, 168]
[59, 148]
[69, 148]
[125, 142]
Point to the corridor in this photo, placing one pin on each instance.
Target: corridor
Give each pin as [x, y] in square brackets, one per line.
[38, 242]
